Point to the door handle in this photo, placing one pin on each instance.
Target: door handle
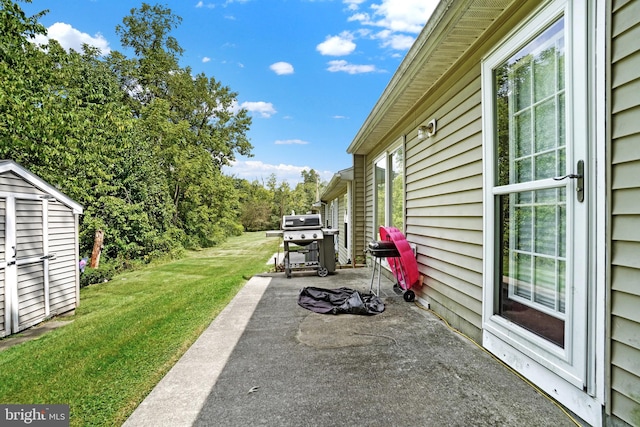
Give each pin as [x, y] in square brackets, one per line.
[580, 180]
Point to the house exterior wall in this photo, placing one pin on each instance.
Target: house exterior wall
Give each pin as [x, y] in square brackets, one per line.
[624, 187]
[444, 186]
[444, 205]
[358, 220]
[444, 191]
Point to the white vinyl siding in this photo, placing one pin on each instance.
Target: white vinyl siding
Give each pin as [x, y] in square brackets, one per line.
[3, 331]
[29, 225]
[12, 183]
[625, 208]
[63, 266]
[29, 245]
[31, 307]
[39, 239]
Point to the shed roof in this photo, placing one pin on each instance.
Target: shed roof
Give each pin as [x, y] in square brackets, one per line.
[452, 29]
[36, 181]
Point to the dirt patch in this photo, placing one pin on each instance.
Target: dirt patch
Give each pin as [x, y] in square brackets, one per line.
[347, 330]
[32, 333]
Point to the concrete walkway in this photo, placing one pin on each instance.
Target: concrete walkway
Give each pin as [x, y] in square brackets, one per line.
[267, 361]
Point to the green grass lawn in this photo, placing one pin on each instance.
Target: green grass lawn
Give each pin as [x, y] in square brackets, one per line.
[129, 332]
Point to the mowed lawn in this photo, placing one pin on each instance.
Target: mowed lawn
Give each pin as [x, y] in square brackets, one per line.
[129, 332]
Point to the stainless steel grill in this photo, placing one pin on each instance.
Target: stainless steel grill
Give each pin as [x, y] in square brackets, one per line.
[313, 241]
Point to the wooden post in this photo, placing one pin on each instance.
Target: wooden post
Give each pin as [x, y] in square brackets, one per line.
[97, 248]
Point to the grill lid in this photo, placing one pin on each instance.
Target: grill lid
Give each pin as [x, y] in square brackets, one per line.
[301, 222]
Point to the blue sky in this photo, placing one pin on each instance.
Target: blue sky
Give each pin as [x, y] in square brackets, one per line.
[309, 71]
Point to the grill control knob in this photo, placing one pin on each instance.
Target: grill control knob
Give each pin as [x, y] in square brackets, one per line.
[302, 236]
[315, 235]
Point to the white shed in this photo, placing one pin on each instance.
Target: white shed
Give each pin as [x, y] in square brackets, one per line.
[39, 275]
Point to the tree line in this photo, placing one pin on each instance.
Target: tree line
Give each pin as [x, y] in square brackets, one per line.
[139, 141]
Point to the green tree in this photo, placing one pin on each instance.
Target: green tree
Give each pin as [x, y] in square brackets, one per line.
[281, 200]
[188, 121]
[139, 142]
[307, 192]
[64, 118]
[256, 205]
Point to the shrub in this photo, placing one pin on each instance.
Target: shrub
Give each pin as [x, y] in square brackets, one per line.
[92, 276]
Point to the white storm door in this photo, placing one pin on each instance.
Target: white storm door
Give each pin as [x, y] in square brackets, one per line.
[536, 209]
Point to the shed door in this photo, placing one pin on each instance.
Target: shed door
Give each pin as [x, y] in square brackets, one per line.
[30, 262]
[26, 278]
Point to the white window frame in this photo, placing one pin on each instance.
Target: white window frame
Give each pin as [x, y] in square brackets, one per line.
[386, 156]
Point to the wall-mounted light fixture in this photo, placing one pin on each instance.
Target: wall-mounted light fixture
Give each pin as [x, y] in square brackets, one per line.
[428, 130]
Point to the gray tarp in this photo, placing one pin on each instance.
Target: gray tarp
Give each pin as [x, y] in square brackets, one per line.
[339, 301]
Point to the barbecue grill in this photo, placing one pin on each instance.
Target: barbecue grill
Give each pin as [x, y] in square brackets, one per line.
[315, 242]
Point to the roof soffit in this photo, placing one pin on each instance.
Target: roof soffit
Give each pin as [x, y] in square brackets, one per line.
[450, 32]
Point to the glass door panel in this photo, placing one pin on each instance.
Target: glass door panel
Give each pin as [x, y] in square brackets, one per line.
[530, 123]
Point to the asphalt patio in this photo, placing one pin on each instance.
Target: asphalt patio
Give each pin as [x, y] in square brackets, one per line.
[267, 361]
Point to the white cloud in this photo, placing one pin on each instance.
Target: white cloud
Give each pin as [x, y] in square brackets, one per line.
[353, 4]
[344, 66]
[206, 59]
[207, 5]
[362, 17]
[339, 45]
[265, 109]
[398, 41]
[281, 68]
[396, 18]
[70, 38]
[339, 117]
[291, 142]
[256, 170]
[403, 15]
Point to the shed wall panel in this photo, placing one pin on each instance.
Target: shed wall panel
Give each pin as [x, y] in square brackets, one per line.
[29, 228]
[12, 183]
[3, 331]
[31, 306]
[3, 214]
[63, 268]
[625, 218]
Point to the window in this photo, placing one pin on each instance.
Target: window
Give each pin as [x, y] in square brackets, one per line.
[345, 202]
[529, 98]
[389, 190]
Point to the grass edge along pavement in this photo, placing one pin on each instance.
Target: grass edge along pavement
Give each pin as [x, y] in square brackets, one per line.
[129, 332]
